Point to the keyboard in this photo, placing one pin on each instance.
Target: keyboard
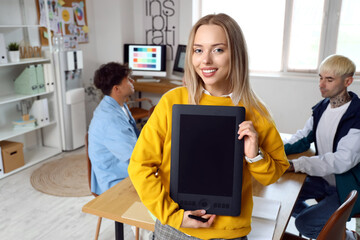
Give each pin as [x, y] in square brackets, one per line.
[176, 82]
[147, 80]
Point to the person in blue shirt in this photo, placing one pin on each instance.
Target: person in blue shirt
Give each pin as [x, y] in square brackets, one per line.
[112, 131]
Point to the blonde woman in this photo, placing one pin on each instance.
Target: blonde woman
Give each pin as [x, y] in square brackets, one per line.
[216, 73]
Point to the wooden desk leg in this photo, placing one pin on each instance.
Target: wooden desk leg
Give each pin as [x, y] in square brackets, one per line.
[136, 233]
[119, 231]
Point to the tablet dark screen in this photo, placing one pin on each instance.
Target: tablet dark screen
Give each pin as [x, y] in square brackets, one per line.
[207, 144]
[207, 158]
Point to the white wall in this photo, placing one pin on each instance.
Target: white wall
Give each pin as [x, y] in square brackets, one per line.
[89, 56]
[110, 26]
[290, 99]
[113, 27]
[115, 22]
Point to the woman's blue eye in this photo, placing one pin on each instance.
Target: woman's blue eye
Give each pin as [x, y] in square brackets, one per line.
[218, 50]
[197, 50]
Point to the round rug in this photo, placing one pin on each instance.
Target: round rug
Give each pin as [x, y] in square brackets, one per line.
[65, 177]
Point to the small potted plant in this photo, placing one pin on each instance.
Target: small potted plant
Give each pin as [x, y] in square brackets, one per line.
[14, 52]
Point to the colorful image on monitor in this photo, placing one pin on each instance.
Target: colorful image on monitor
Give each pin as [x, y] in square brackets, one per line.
[145, 58]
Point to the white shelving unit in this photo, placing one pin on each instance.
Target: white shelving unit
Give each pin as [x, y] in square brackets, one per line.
[19, 22]
[17, 97]
[26, 61]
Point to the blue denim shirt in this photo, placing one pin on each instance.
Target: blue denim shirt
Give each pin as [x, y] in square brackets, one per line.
[112, 137]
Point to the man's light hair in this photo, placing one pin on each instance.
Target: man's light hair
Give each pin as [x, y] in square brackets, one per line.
[338, 65]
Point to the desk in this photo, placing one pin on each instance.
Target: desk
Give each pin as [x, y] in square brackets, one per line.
[155, 87]
[285, 190]
[113, 203]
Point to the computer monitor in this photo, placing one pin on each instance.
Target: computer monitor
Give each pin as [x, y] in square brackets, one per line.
[146, 59]
[179, 62]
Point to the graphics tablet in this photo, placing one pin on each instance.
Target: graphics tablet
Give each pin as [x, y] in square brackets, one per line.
[207, 158]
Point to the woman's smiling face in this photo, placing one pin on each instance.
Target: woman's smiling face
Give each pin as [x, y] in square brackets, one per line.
[211, 58]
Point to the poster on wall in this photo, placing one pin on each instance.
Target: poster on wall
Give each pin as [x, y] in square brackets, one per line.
[79, 13]
[67, 18]
[53, 12]
[161, 21]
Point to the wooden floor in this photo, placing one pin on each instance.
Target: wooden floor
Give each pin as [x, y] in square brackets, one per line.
[27, 214]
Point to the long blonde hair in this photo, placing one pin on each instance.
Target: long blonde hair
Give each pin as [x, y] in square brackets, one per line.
[238, 74]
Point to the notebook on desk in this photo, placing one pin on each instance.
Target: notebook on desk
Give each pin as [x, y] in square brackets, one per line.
[264, 216]
[176, 82]
[138, 212]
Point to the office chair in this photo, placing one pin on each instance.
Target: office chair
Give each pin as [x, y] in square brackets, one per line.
[137, 112]
[94, 194]
[89, 179]
[335, 227]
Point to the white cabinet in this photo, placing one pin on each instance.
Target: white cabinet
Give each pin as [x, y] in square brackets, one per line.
[18, 22]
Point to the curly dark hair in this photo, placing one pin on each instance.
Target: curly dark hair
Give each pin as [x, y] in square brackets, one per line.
[109, 75]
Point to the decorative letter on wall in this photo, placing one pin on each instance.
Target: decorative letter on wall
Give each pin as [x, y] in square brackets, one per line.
[161, 23]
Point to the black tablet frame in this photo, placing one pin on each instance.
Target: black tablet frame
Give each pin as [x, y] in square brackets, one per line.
[214, 203]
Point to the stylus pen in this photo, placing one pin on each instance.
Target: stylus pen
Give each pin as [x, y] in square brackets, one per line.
[198, 218]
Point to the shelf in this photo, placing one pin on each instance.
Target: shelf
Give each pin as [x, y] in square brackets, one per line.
[14, 26]
[34, 156]
[10, 132]
[26, 61]
[18, 97]
[10, 28]
[22, 24]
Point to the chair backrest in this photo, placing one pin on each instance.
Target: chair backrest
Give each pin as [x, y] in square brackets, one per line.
[138, 112]
[335, 227]
[88, 162]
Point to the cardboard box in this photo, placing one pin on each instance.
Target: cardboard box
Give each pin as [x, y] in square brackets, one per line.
[12, 155]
